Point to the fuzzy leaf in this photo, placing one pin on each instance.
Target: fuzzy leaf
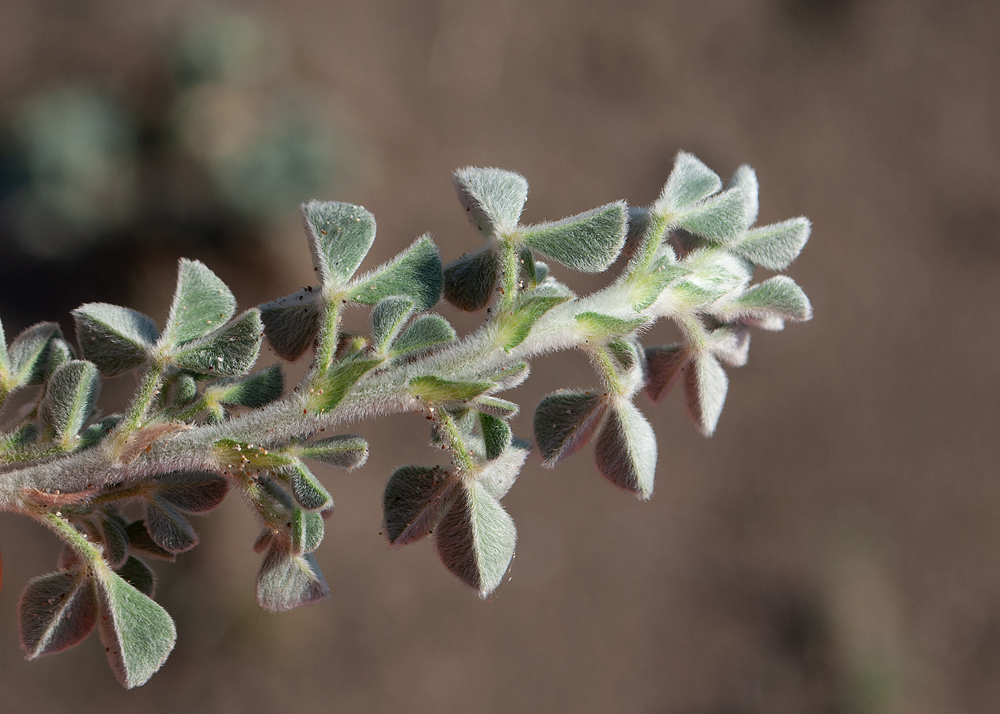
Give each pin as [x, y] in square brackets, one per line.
[255, 390]
[340, 236]
[745, 179]
[625, 450]
[202, 304]
[469, 281]
[493, 198]
[307, 531]
[647, 288]
[720, 219]
[516, 326]
[424, 332]
[69, 400]
[705, 385]
[730, 344]
[664, 366]
[27, 355]
[475, 539]
[140, 541]
[95, 432]
[115, 539]
[338, 382]
[689, 182]
[345, 452]
[436, 390]
[138, 634]
[287, 581]
[167, 527]
[114, 338]
[599, 327]
[192, 492]
[499, 474]
[495, 406]
[308, 491]
[775, 246]
[56, 612]
[59, 354]
[413, 501]
[227, 352]
[565, 421]
[496, 435]
[415, 273]
[388, 318]
[775, 297]
[291, 322]
[511, 376]
[588, 242]
[138, 575]
[185, 389]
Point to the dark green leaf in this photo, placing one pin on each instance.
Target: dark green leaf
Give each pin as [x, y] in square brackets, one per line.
[588, 242]
[140, 542]
[469, 281]
[493, 198]
[625, 450]
[286, 581]
[424, 332]
[138, 575]
[496, 435]
[565, 421]
[414, 273]
[414, 499]
[255, 390]
[28, 354]
[114, 338]
[69, 400]
[388, 318]
[345, 452]
[227, 352]
[56, 612]
[340, 236]
[95, 432]
[168, 528]
[202, 304]
[338, 382]
[291, 322]
[308, 491]
[307, 531]
[192, 492]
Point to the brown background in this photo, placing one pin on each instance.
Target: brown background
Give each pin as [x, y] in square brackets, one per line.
[832, 549]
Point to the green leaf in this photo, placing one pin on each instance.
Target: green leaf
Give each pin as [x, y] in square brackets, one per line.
[340, 236]
[775, 246]
[202, 304]
[114, 338]
[496, 435]
[745, 179]
[599, 327]
[308, 491]
[138, 634]
[469, 281]
[475, 539]
[192, 491]
[496, 407]
[335, 385]
[664, 366]
[138, 575]
[115, 538]
[413, 501]
[499, 475]
[705, 385]
[721, 219]
[516, 326]
[95, 432]
[424, 332]
[345, 452]
[139, 541]
[291, 322]
[56, 612]
[167, 527]
[415, 273]
[435, 390]
[624, 353]
[625, 450]
[689, 182]
[307, 531]
[28, 354]
[588, 242]
[255, 390]
[59, 354]
[564, 422]
[493, 198]
[287, 581]
[185, 389]
[775, 297]
[388, 318]
[647, 288]
[229, 351]
[69, 400]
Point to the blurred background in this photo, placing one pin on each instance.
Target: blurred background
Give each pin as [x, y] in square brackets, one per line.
[832, 549]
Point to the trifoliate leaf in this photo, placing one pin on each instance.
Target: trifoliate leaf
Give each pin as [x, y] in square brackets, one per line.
[424, 332]
[689, 182]
[336, 383]
[308, 491]
[413, 501]
[588, 242]
[56, 612]
[307, 531]
[415, 273]
[69, 400]
[720, 219]
[496, 435]
[115, 539]
[167, 527]
[745, 179]
[202, 304]
[565, 421]
[435, 390]
[625, 450]
[388, 318]
[705, 385]
[775, 297]
[114, 338]
[287, 581]
[138, 575]
[139, 541]
[469, 281]
[227, 352]
[27, 355]
[138, 634]
[599, 327]
[515, 327]
[192, 492]
[475, 539]
[664, 366]
[340, 236]
[345, 452]
[291, 322]
[774, 246]
[493, 198]
[255, 390]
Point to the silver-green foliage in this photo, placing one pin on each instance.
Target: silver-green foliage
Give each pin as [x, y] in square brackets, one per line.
[119, 489]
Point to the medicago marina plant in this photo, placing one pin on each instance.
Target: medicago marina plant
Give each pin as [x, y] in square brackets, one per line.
[118, 489]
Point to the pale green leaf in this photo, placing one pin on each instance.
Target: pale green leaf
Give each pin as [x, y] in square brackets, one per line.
[493, 198]
[415, 273]
[202, 304]
[340, 236]
[774, 246]
[69, 400]
[588, 242]
[114, 338]
[625, 450]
